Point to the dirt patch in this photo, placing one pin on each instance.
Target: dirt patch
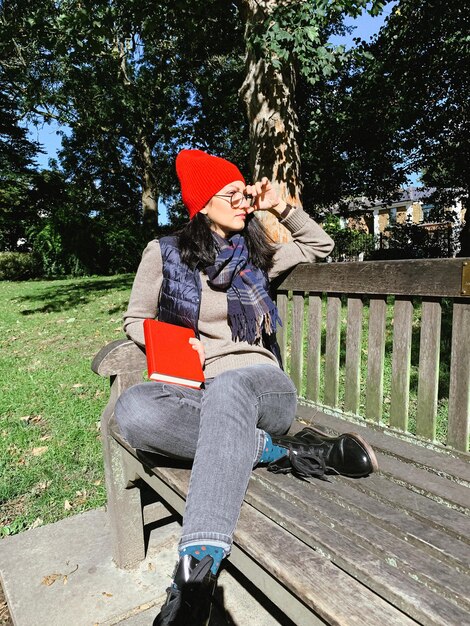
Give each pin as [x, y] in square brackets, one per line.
[5, 617]
[13, 509]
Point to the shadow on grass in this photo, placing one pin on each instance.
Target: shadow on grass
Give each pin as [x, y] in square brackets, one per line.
[56, 298]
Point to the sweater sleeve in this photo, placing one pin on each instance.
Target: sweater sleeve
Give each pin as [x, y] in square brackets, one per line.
[309, 241]
[145, 292]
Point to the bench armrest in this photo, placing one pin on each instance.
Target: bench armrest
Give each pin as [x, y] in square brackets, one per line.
[119, 357]
[122, 361]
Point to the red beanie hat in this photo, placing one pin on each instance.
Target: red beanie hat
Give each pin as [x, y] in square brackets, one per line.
[201, 176]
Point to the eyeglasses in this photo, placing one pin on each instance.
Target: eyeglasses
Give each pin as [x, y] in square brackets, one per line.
[236, 198]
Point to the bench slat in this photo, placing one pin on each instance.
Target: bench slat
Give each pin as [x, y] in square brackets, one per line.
[398, 520]
[431, 485]
[390, 579]
[428, 376]
[416, 506]
[401, 361]
[297, 345]
[425, 564]
[375, 358]
[333, 332]
[420, 277]
[459, 391]
[314, 347]
[326, 589]
[352, 382]
[282, 303]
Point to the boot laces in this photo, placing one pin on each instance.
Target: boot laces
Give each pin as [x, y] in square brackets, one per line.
[308, 461]
[308, 464]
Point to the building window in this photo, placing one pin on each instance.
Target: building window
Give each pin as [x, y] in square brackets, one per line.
[427, 208]
[392, 217]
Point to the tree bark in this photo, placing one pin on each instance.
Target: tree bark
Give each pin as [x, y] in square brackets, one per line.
[149, 186]
[142, 145]
[269, 97]
[465, 233]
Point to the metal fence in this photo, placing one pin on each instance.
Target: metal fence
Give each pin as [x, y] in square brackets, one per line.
[404, 241]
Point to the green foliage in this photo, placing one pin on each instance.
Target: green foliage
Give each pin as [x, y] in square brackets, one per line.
[16, 172]
[415, 241]
[398, 106]
[18, 266]
[406, 102]
[331, 224]
[297, 32]
[349, 243]
[65, 244]
[47, 245]
[133, 80]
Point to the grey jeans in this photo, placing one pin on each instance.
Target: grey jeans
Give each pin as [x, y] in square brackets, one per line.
[222, 428]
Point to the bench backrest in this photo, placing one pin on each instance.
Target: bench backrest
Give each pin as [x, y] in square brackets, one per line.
[385, 340]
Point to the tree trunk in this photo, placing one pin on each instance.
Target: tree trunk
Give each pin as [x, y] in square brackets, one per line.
[142, 146]
[268, 94]
[149, 187]
[465, 233]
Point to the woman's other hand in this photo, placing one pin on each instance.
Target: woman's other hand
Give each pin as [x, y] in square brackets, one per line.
[265, 197]
[197, 345]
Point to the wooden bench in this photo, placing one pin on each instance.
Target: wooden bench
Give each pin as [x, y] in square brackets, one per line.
[392, 548]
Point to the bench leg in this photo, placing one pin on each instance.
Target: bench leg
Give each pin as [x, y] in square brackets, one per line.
[124, 509]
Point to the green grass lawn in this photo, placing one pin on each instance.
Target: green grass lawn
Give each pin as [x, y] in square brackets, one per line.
[50, 404]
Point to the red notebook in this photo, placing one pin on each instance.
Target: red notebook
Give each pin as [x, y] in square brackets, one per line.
[170, 356]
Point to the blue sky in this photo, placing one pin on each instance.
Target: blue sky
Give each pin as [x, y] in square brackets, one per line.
[365, 27]
[46, 135]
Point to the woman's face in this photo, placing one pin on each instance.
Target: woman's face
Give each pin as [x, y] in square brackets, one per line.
[225, 217]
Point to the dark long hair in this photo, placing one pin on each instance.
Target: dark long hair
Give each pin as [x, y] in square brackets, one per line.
[197, 245]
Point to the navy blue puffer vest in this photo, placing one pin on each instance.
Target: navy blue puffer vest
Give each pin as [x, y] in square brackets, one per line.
[180, 295]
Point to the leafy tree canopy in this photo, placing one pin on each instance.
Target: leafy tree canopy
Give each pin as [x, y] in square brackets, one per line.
[17, 170]
[135, 81]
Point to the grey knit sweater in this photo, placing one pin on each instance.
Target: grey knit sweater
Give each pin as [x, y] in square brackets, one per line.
[222, 353]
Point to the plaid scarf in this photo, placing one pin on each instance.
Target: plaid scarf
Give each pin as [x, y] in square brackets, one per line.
[250, 309]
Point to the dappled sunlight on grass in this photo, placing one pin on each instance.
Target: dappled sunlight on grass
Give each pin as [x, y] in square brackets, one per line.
[50, 461]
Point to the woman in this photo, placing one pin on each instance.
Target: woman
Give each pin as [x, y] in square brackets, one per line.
[213, 276]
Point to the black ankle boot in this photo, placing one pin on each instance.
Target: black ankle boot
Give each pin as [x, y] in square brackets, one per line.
[189, 598]
[312, 453]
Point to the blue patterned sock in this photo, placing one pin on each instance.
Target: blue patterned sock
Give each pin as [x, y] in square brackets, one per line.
[202, 550]
[271, 452]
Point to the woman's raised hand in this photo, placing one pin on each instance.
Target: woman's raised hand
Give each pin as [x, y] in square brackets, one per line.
[264, 194]
[197, 345]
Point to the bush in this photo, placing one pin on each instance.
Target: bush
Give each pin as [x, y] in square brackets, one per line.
[349, 243]
[18, 266]
[418, 241]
